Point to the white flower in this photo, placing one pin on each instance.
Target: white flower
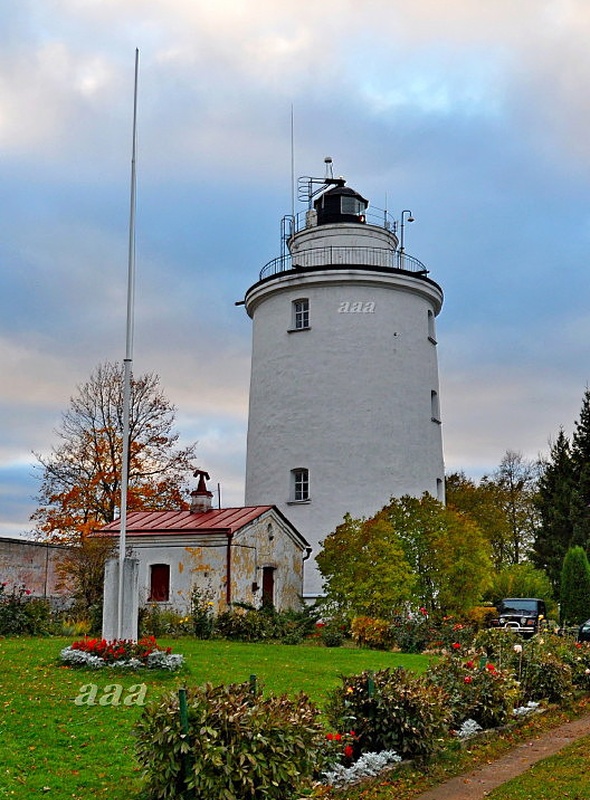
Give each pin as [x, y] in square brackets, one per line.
[156, 660]
[469, 728]
[518, 648]
[368, 766]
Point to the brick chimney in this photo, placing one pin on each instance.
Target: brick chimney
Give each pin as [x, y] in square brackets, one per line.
[201, 496]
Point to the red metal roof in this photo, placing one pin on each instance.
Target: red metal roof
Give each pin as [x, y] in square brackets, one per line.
[227, 520]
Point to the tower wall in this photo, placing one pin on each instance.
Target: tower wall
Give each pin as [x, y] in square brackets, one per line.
[353, 398]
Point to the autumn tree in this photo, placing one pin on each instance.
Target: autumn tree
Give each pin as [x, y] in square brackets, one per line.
[364, 568]
[516, 483]
[414, 551]
[519, 580]
[447, 552]
[81, 477]
[482, 503]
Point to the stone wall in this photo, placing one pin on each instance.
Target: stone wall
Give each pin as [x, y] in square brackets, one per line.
[32, 565]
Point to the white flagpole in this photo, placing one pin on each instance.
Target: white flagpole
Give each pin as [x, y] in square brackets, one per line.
[128, 363]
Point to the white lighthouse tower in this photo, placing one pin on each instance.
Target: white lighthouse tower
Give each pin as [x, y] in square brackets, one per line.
[344, 397]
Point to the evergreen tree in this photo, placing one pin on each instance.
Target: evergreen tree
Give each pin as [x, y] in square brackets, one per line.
[554, 501]
[580, 501]
[575, 587]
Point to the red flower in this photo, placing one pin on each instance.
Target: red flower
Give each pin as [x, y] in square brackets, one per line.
[337, 737]
[470, 664]
[348, 751]
[456, 646]
[330, 737]
[490, 668]
[468, 679]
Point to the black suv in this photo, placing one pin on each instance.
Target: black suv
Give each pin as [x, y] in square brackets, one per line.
[524, 615]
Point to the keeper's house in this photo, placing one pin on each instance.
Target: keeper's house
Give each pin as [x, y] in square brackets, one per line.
[247, 555]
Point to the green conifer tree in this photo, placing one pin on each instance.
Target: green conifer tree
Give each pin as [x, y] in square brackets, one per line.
[575, 587]
[554, 500]
[580, 501]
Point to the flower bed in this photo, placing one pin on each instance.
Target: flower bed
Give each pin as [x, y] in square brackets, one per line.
[121, 653]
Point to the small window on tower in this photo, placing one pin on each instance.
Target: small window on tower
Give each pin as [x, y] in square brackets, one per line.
[434, 407]
[431, 328]
[299, 485]
[300, 314]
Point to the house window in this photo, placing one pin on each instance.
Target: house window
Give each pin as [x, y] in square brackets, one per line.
[159, 583]
[300, 314]
[300, 485]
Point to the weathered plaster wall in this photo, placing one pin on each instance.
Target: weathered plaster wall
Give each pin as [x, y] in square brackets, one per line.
[32, 565]
[202, 562]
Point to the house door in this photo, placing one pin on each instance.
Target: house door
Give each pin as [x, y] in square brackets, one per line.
[268, 587]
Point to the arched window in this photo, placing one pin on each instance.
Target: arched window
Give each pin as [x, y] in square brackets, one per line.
[159, 583]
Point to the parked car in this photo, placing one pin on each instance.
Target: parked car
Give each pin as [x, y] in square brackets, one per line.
[524, 615]
[584, 631]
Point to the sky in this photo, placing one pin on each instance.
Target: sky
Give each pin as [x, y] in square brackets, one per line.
[472, 114]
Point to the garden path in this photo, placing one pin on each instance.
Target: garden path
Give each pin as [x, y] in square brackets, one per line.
[478, 783]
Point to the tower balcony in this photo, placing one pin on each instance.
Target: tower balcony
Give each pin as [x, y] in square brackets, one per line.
[337, 256]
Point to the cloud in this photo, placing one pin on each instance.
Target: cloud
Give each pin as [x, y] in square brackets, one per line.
[471, 114]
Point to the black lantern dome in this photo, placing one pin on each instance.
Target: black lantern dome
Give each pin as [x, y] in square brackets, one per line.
[340, 204]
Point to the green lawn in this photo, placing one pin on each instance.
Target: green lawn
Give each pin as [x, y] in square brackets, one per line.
[51, 746]
[564, 775]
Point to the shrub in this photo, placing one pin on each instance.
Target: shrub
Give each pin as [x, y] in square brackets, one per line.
[498, 646]
[369, 632]
[411, 634]
[292, 626]
[391, 710]
[332, 635]
[577, 656]
[448, 631]
[244, 625]
[476, 689]
[544, 675]
[239, 745]
[21, 613]
[202, 617]
[480, 617]
[157, 621]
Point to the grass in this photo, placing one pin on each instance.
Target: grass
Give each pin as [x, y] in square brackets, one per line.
[53, 747]
[564, 775]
